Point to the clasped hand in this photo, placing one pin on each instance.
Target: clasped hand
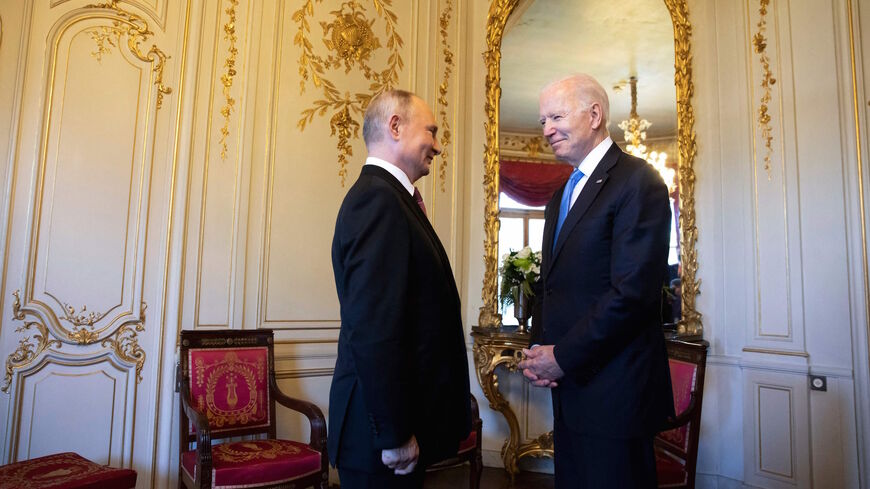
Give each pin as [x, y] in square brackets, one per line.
[402, 459]
[540, 367]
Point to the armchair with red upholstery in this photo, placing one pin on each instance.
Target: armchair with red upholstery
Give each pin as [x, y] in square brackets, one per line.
[676, 448]
[227, 385]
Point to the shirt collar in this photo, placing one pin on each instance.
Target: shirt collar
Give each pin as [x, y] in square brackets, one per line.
[394, 171]
[588, 165]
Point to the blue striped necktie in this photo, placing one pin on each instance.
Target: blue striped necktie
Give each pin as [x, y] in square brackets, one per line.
[565, 205]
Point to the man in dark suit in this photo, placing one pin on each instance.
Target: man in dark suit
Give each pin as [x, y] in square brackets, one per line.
[600, 347]
[400, 393]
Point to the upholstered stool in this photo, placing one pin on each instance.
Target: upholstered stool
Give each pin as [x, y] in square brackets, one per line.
[64, 471]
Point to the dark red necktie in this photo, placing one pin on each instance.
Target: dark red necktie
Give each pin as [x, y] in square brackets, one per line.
[419, 199]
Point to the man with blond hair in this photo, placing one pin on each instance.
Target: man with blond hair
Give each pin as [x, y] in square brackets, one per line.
[600, 347]
[400, 393]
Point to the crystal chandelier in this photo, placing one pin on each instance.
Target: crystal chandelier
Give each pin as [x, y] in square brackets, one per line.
[635, 134]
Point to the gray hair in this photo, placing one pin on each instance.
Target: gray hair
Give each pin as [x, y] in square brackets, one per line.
[588, 91]
[379, 111]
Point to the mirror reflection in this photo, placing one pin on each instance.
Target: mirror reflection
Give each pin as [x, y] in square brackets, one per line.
[629, 48]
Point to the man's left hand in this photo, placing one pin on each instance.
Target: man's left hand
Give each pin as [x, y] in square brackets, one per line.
[540, 367]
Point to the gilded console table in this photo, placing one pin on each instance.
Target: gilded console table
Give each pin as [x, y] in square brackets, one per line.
[494, 347]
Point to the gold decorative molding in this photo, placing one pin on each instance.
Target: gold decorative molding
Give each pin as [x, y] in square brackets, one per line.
[26, 352]
[528, 146]
[229, 74]
[759, 42]
[125, 343]
[499, 11]
[80, 322]
[105, 38]
[351, 38]
[444, 22]
[769, 351]
[690, 323]
[137, 32]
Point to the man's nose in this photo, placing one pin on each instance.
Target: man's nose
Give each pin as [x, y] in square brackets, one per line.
[436, 147]
[548, 129]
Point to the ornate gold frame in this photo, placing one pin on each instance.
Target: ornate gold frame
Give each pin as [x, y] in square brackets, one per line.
[499, 11]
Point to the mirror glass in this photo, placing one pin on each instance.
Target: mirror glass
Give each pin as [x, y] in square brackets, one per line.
[621, 44]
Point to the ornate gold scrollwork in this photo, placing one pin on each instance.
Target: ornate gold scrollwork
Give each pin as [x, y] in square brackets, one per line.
[690, 323]
[26, 352]
[351, 37]
[759, 42]
[125, 343]
[499, 11]
[106, 38]
[229, 74]
[80, 322]
[137, 32]
[491, 351]
[444, 22]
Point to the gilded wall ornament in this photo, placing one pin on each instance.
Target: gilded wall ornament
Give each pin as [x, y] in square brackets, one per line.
[759, 43]
[443, 88]
[105, 38]
[351, 41]
[230, 73]
[137, 32]
[26, 352]
[125, 343]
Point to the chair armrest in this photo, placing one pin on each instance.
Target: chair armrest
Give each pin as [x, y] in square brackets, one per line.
[475, 410]
[684, 417]
[203, 433]
[315, 416]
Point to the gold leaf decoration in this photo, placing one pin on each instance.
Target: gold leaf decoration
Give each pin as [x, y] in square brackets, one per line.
[759, 42]
[137, 32]
[230, 73]
[443, 88]
[26, 352]
[125, 343]
[352, 40]
[105, 38]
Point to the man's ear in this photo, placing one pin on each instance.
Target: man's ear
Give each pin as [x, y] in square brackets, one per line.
[395, 125]
[595, 116]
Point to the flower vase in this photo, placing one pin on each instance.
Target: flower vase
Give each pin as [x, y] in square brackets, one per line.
[522, 308]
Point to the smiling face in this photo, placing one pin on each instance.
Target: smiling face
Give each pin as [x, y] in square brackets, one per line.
[572, 126]
[418, 142]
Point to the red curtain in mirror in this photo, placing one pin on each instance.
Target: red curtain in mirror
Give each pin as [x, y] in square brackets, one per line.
[530, 183]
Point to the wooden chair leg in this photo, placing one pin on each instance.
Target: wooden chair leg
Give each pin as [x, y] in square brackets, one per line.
[476, 471]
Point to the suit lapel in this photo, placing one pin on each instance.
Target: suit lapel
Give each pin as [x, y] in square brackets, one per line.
[593, 186]
[417, 212]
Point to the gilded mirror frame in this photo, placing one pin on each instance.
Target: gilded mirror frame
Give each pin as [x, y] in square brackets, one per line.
[499, 12]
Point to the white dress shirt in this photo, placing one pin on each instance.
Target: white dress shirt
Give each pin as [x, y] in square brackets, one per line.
[588, 165]
[394, 171]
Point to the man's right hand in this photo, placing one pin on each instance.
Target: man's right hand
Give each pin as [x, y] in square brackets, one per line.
[402, 459]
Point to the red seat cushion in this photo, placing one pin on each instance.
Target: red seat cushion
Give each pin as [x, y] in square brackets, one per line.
[468, 443]
[256, 463]
[64, 471]
[683, 379]
[670, 471]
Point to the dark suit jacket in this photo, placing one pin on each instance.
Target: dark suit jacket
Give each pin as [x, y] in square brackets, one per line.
[601, 301]
[401, 366]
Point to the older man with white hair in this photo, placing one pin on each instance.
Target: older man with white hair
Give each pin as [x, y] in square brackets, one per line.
[600, 348]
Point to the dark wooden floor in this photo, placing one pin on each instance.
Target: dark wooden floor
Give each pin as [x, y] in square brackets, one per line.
[493, 478]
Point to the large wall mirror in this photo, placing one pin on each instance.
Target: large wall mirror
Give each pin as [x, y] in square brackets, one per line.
[640, 51]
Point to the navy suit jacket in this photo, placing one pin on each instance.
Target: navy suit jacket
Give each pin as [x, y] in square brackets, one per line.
[601, 296]
[402, 368]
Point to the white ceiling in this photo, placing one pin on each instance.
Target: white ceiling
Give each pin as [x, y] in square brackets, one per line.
[548, 39]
